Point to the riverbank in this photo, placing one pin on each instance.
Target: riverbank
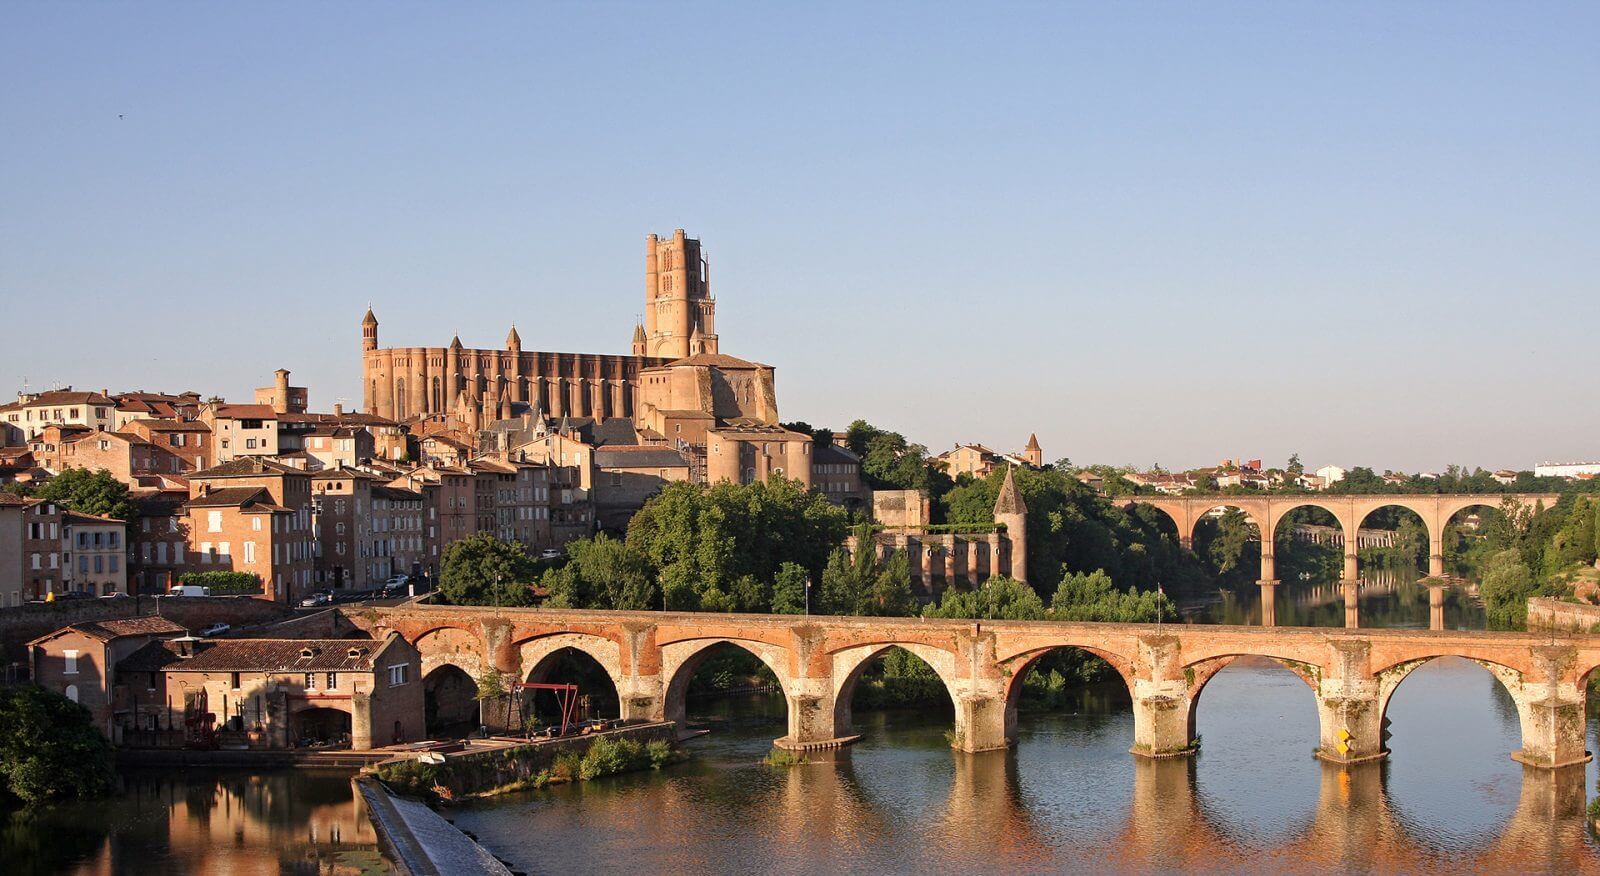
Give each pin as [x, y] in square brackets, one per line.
[1562, 617]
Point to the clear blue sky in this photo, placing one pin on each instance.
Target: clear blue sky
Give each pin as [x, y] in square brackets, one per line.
[1149, 232]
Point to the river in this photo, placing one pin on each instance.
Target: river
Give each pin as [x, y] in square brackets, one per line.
[1069, 796]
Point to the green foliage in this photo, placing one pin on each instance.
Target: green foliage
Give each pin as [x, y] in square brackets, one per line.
[483, 570]
[1507, 585]
[601, 572]
[890, 462]
[224, 583]
[49, 748]
[1094, 597]
[491, 685]
[789, 590]
[999, 598]
[411, 778]
[857, 584]
[719, 547]
[608, 756]
[783, 757]
[89, 492]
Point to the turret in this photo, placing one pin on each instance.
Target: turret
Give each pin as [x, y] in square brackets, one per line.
[638, 339]
[280, 396]
[513, 340]
[1010, 512]
[369, 332]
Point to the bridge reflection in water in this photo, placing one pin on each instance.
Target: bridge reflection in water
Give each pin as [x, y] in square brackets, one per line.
[1068, 798]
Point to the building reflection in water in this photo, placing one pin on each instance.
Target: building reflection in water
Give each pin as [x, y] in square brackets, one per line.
[204, 821]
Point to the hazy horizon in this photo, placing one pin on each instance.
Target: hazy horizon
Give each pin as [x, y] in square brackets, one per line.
[1159, 233]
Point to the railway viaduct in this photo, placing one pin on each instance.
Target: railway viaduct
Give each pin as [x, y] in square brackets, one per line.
[1268, 510]
[651, 656]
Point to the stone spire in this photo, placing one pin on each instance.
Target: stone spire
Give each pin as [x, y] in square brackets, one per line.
[1010, 512]
[455, 343]
[1010, 500]
[639, 340]
[1032, 453]
[1033, 441]
[513, 341]
[369, 331]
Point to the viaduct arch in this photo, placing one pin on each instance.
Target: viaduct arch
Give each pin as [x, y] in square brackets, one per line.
[650, 657]
[1267, 511]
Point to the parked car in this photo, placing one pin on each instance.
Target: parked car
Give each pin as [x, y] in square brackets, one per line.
[551, 554]
[215, 629]
[189, 590]
[321, 597]
[396, 585]
[114, 596]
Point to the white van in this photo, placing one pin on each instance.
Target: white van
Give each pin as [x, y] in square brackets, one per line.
[189, 590]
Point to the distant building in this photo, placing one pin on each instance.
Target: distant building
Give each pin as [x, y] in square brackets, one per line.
[282, 397]
[31, 412]
[1331, 474]
[980, 461]
[1566, 469]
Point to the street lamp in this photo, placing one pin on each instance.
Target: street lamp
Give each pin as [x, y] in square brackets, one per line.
[808, 596]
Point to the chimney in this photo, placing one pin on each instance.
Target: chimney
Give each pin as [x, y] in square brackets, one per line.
[338, 409]
[205, 488]
[187, 646]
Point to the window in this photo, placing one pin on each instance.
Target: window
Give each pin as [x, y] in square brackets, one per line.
[399, 674]
[249, 443]
[72, 663]
[616, 479]
[249, 552]
[111, 564]
[333, 680]
[233, 680]
[311, 681]
[213, 521]
[255, 523]
[72, 692]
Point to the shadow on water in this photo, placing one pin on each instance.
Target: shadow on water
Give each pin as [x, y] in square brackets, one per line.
[1389, 597]
[1069, 797]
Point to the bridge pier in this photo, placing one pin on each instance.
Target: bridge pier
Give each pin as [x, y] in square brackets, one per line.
[1269, 564]
[1163, 702]
[981, 722]
[1269, 602]
[1352, 562]
[1436, 550]
[815, 720]
[1350, 706]
[1550, 702]
[1352, 602]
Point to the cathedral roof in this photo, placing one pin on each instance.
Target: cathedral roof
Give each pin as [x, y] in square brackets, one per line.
[1010, 500]
[455, 342]
[714, 360]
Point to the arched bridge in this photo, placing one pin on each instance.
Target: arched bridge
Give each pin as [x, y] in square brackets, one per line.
[1267, 511]
[650, 657]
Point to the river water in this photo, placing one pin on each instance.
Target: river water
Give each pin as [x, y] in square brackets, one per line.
[1069, 797]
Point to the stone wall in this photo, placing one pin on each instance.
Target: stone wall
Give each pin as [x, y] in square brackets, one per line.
[476, 772]
[1562, 617]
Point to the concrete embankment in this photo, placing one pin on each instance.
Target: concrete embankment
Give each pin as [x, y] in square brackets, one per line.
[418, 841]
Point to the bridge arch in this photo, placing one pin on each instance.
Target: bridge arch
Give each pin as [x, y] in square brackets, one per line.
[452, 646]
[1018, 667]
[680, 660]
[848, 664]
[540, 657]
[1199, 674]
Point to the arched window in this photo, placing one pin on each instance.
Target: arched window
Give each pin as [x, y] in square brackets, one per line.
[72, 692]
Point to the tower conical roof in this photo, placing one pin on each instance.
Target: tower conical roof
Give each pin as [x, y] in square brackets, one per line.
[1010, 499]
[369, 319]
[455, 342]
[512, 340]
[638, 331]
[1033, 442]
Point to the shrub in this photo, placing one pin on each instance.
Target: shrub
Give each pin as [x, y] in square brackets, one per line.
[611, 756]
[568, 767]
[659, 753]
[224, 583]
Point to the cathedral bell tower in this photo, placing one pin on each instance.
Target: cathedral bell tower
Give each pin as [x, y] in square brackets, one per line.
[680, 314]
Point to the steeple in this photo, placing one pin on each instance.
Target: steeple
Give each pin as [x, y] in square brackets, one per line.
[513, 342]
[1032, 453]
[639, 341]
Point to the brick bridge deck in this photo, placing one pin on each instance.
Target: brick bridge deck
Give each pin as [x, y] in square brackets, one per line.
[650, 657]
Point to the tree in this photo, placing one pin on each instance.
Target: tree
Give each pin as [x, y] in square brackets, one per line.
[89, 492]
[49, 748]
[1507, 584]
[1000, 598]
[890, 462]
[483, 570]
[601, 572]
[1093, 597]
[789, 590]
[1294, 469]
[707, 540]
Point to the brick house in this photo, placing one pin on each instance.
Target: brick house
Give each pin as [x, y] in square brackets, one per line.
[280, 693]
[159, 542]
[81, 662]
[254, 515]
[628, 475]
